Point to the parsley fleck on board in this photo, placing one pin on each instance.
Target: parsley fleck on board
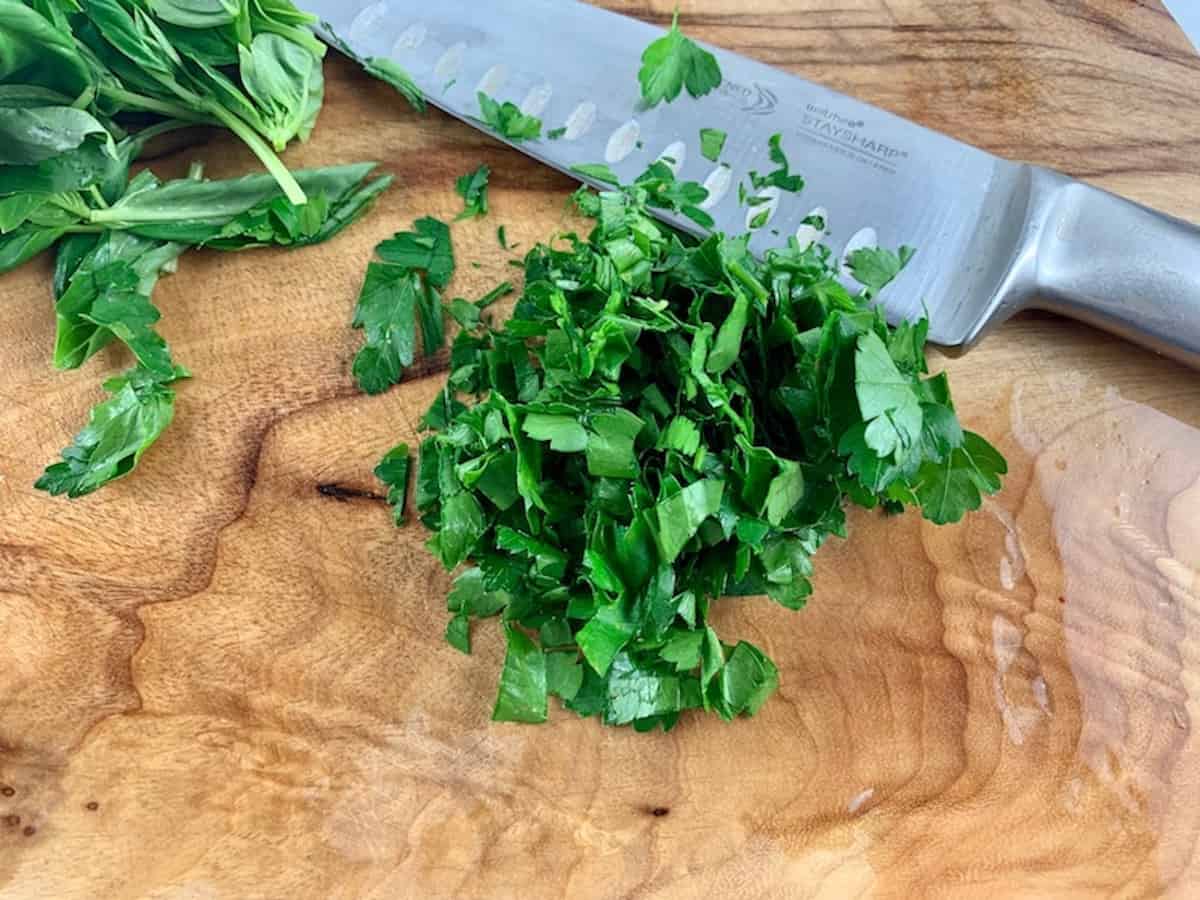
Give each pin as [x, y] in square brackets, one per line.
[664, 421]
[473, 188]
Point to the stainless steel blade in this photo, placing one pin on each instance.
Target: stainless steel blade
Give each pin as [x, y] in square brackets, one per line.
[879, 178]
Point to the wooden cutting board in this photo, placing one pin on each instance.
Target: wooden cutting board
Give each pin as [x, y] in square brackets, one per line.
[224, 677]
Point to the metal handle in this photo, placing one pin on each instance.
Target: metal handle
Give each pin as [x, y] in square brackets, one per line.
[1119, 266]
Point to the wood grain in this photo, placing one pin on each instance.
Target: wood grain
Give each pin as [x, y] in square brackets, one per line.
[224, 677]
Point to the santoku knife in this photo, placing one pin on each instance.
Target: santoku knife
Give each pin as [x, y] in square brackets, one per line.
[993, 236]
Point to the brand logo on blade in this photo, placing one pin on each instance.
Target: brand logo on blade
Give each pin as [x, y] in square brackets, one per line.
[846, 135]
[753, 98]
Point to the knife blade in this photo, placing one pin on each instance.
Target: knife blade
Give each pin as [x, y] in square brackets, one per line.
[993, 235]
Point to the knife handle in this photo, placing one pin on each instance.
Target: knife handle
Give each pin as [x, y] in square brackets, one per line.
[1120, 266]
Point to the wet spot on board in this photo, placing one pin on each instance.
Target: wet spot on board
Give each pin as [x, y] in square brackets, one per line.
[12, 821]
[29, 831]
[7, 791]
[860, 800]
[92, 806]
[658, 811]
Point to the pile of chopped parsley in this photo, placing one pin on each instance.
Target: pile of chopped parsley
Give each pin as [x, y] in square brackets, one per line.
[663, 421]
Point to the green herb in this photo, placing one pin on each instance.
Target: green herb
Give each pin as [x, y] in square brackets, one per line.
[597, 172]
[507, 120]
[780, 178]
[258, 74]
[84, 88]
[712, 142]
[397, 291]
[498, 292]
[502, 237]
[393, 472]
[674, 62]
[473, 188]
[555, 133]
[662, 422]
[119, 432]
[106, 272]
[382, 68]
[875, 268]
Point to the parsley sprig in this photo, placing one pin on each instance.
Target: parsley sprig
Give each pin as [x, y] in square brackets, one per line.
[674, 62]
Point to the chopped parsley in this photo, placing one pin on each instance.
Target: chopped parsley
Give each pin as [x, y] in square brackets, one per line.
[507, 120]
[399, 289]
[473, 188]
[664, 421]
[782, 177]
[712, 142]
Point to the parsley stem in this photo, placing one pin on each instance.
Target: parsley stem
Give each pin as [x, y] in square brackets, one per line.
[752, 284]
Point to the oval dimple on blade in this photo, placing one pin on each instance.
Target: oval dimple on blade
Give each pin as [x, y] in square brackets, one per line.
[914, 186]
[673, 156]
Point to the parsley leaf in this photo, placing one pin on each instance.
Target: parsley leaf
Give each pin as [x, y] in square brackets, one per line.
[473, 188]
[458, 633]
[427, 249]
[507, 120]
[782, 177]
[393, 472]
[522, 696]
[875, 268]
[385, 310]
[119, 431]
[947, 490]
[887, 399]
[391, 72]
[597, 172]
[673, 62]
[712, 142]
[396, 293]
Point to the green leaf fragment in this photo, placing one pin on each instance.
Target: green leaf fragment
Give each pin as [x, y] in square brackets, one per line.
[636, 693]
[458, 633]
[875, 268]
[118, 433]
[605, 634]
[522, 696]
[564, 675]
[393, 472]
[712, 142]
[507, 120]
[674, 62]
[680, 517]
[473, 188]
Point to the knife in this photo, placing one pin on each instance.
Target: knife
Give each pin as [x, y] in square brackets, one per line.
[993, 236]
